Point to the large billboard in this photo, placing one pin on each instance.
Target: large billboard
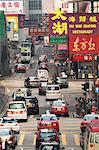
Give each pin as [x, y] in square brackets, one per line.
[12, 6]
[13, 19]
[84, 44]
[61, 23]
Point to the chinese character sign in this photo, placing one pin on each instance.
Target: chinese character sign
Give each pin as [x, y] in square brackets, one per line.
[12, 7]
[84, 44]
[72, 24]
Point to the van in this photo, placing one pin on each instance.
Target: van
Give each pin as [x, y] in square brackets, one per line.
[91, 136]
[53, 92]
[17, 110]
[42, 75]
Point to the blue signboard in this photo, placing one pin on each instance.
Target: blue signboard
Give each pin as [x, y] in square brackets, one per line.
[8, 28]
[97, 90]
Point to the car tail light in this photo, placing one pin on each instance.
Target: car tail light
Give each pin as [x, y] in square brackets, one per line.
[54, 124]
[16, 124]
[22, 112]
[91, 145]
[10, 112]
[1, 125]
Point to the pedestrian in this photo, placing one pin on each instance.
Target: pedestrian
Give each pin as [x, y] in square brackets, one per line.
[71, 73]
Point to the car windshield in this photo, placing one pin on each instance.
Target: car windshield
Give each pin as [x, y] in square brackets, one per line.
[97, 138]
[47, 134]
[45, 118]
[16, 106]
[57, 103]
[9, 121]
[88, 118]
[50, 147]
[4, 132]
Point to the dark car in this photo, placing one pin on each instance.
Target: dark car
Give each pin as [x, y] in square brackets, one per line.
[32, 105]
[47, 135]
[31, 82]
[42, 88]
[50, 146]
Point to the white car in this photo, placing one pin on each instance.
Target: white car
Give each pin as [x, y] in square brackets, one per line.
[53, 92]
[8, 138]
[10, 123]
[17, 110]
[19, 94]
[42, 75]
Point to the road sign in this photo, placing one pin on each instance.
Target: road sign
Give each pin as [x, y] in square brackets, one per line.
[8, 28]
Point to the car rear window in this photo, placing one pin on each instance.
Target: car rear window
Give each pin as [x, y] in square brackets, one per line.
[4, 132]
[45, 118]
[88, 118]
[9, 121]
[16, 106]
[58, 103]
[50, 147]
[47, 134]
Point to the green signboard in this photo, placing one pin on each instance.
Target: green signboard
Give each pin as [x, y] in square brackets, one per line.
[2, 24]
[57, 39]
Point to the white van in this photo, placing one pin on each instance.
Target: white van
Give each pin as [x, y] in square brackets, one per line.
[53, 92]
[17, 110]
[42, 75]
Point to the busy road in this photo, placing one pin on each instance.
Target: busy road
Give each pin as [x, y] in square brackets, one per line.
[69, 126]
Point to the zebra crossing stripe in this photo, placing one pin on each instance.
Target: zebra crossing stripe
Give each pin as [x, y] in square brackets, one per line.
[76, 140]
[63, 137]
[21, 139]
[34, 141]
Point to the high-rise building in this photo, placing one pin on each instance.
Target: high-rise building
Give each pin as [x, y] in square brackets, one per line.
[35, 11]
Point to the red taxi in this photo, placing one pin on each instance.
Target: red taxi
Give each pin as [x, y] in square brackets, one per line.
[19, 67]
[48, 121]
[59, 107]
[87, 119]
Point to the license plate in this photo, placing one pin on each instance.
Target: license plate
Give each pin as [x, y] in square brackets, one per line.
[59, 109]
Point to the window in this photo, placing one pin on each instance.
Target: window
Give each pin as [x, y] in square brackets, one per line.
[16, 106]
[33, 5]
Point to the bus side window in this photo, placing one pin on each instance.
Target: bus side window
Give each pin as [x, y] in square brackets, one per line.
[91, 138]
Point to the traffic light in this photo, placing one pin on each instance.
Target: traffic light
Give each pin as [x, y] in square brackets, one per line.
[85, 86]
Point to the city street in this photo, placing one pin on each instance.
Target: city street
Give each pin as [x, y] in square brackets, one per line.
[69, 127]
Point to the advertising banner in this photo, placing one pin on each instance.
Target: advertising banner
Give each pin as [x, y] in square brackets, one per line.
[12, 6]
[14, 19]
[84, 44]
[61, 24]
[62, 46]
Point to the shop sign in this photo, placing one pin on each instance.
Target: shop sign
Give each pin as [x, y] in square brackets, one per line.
[58, 39]
[12, 6]
[81, 58]
[61, 23]
[38, 31]
[84, 44]
[62, 46]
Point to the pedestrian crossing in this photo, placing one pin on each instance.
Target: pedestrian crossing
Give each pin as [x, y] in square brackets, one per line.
[66, 139]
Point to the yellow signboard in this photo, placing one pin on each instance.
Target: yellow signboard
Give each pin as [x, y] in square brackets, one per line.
[13, 19]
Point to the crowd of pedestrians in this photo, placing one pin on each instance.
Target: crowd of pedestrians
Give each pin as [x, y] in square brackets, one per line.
[85, 106]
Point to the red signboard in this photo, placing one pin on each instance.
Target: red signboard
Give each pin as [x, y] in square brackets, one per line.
[81, 58]
[84, 44]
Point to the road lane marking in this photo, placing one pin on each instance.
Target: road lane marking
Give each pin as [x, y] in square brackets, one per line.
[34, 141]
[8, 90]
[21, 139]
[63, 137]
[76, 139]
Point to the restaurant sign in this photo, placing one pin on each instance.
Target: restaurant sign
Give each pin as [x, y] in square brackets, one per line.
[84, 44]
[73, 23]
